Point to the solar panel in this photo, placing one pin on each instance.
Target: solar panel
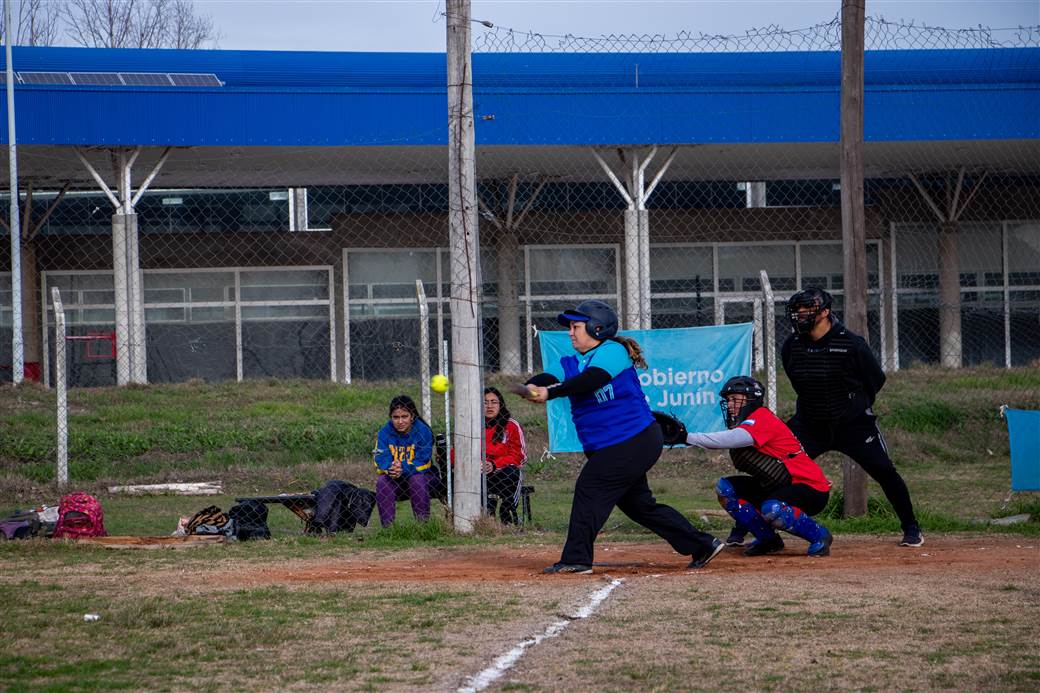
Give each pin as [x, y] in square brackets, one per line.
[145, 79]
[195, 80]
[45, 77]
[118, 79]
[101, 78]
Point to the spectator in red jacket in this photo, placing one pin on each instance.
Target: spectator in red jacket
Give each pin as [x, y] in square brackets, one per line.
[505, 454]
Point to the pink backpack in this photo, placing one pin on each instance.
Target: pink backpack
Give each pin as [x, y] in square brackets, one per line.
[80, 515]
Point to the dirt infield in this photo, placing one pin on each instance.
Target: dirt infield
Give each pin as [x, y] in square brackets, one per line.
[960, 613]
[850, 555]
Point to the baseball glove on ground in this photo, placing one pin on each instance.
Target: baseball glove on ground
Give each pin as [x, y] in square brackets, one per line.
[673, 429]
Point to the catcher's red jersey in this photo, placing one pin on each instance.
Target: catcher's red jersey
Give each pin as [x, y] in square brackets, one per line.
[772, 437]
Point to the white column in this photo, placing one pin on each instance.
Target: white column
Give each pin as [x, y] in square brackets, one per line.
[138, 338]
[17, 345]
[950, 347]
[122, 314]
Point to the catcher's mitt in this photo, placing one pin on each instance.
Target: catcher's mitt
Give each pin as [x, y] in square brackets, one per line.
[673, 429]
[768, 471]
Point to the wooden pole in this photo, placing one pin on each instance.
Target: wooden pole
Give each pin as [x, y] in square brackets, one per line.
[853, 221]
[464, 240]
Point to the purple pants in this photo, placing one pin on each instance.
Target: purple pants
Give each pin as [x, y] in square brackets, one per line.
[389, 490]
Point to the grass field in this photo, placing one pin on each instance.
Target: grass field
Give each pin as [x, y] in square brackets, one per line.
[418, 607]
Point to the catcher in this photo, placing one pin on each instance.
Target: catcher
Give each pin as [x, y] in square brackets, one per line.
[781, 487]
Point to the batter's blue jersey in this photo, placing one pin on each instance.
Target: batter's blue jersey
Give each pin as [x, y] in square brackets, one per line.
[615, 412]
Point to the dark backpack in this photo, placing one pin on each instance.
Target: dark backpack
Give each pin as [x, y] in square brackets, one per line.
[250, 518]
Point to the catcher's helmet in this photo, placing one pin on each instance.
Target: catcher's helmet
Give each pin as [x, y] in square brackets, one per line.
[741, 385]
[600, 319]
[805, 306]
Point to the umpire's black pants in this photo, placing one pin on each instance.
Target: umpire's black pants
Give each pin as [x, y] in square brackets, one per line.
[861, 440]
[616, 476]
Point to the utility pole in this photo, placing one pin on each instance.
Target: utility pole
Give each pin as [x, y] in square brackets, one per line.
[464, 251]
[853, 219]
[17, 344]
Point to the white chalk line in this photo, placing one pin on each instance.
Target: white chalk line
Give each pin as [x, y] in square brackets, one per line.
[506, 661]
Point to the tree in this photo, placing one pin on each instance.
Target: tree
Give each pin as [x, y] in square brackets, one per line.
[136, 24]
[36, 24]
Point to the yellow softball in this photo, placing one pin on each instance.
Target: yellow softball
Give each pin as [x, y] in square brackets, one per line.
[439, 383]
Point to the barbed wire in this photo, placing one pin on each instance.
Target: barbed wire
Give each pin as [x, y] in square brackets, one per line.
[880, 34]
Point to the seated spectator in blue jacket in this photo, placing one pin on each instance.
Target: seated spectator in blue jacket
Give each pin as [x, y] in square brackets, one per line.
[403, 459]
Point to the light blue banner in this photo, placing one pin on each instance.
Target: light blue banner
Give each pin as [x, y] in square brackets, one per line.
[687, 368]
[1024, 430]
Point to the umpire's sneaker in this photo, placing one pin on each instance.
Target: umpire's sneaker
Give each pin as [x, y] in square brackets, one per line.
[736, 537]
[822, 546]
[705, 558]
[761, 547]
[573, 568]
[912, 537]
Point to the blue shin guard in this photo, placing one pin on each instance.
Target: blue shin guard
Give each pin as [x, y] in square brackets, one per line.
[745, 514]
[793, 520]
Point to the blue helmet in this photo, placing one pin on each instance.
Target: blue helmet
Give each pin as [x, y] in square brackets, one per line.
[601, 322]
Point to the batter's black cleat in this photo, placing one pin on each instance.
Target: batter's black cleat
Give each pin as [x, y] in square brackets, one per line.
[572, 568]
[716, 548]
[763, 547]
[912, 537]
[736, 537]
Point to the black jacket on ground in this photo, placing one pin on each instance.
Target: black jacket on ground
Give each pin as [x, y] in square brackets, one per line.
[341, 506]
[836, 377]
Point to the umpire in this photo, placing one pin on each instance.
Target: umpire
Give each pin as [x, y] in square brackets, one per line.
[836, 378]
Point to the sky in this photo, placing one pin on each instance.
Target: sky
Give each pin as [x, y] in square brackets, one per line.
[417, 25]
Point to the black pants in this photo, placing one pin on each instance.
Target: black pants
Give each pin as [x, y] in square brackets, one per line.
[503, 488]
[616, 476]
[801, 496]
[861, 440]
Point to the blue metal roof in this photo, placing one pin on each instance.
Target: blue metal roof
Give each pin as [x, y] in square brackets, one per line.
[352, 99]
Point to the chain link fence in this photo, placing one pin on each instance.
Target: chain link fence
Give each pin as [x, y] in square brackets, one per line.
[658, 174]
[301, 262]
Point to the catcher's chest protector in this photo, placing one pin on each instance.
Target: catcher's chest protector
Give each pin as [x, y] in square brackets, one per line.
[769, 471]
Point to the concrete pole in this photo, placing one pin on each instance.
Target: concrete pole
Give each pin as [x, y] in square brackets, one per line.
[508, 265]
[122, 314]
[853, 219]
[756, 194]
[139, 341]
[30, 306]
[644, 269]
[298, 207]
[17, 346]
[631, 259]
[950, 342]
[464, 249]
[61, 390]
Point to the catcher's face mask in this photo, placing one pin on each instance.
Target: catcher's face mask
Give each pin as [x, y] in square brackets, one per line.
[806, 309]
[739, 397]
[736, 407]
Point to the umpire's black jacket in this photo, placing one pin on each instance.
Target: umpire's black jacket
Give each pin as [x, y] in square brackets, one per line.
[836, 377]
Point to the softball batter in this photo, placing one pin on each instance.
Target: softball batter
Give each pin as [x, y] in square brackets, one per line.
[621, 439]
